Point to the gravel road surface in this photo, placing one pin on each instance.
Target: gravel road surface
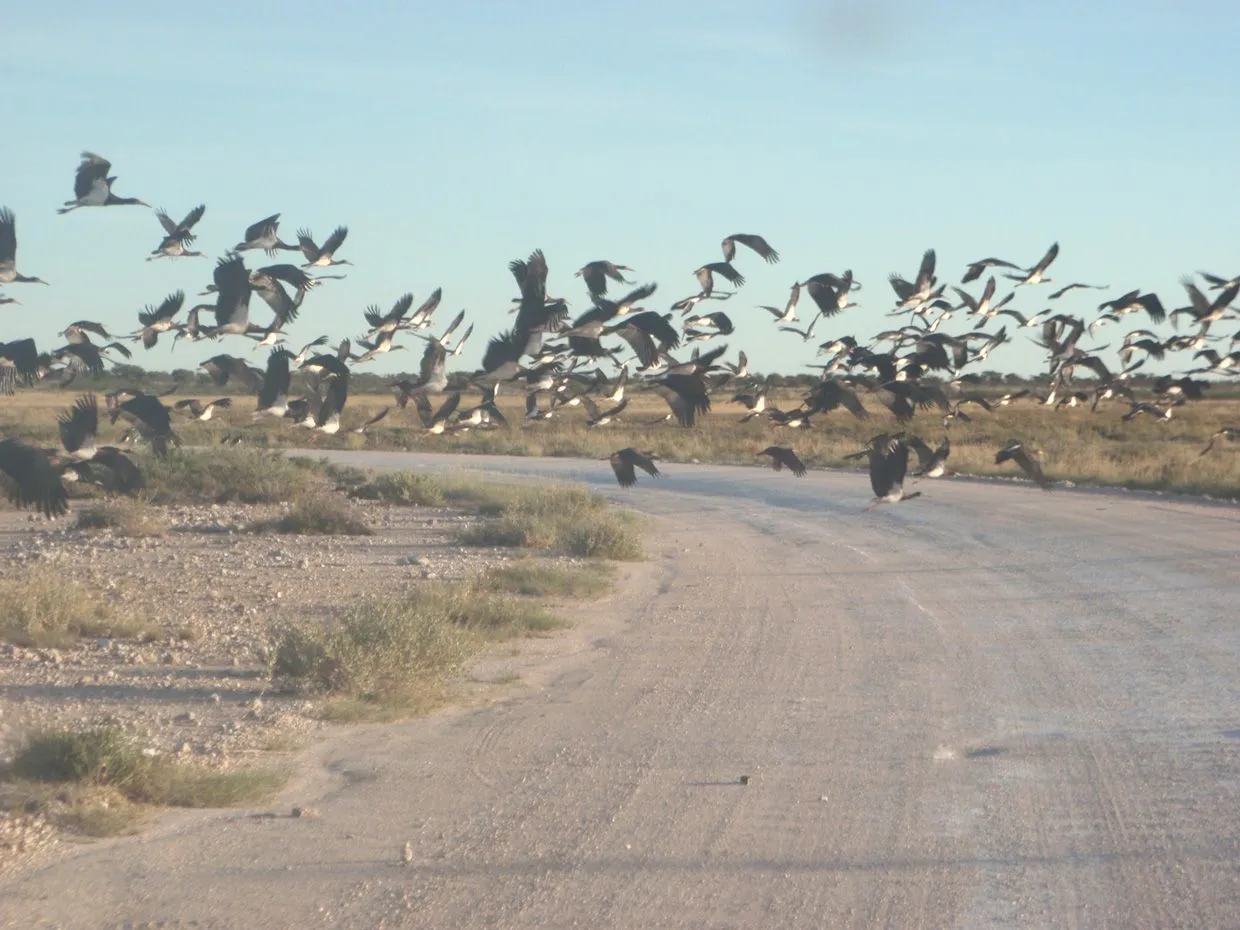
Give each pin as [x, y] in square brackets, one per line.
[988, 707]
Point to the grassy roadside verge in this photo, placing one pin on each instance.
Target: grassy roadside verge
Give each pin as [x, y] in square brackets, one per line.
[382, 659]
[392, 658]
[97, 782]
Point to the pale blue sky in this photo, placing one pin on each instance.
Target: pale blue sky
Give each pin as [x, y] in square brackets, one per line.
[452, 138]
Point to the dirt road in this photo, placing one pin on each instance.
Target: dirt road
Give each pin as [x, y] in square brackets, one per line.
[990, 707]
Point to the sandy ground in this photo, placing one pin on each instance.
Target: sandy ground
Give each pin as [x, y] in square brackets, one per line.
[988, 707]
[208, 590]
[196, 685]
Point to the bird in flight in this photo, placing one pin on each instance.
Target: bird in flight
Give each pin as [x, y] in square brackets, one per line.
[757, 243]
[625, 463]
[1015, 451]
[782, 457]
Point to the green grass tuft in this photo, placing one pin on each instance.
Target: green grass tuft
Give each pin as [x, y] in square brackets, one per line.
[535, 578]
[566, 518]
[395, 653]
[393, 657]
[101, 779]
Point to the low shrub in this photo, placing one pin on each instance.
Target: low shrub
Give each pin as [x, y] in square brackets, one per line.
[318, 514]
[41, 608]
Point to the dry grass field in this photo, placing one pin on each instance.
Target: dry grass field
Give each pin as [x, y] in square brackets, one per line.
[1077, 445]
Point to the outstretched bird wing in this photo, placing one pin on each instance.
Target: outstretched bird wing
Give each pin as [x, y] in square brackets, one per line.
[1015, 451]
[35, 479]
[755, 242]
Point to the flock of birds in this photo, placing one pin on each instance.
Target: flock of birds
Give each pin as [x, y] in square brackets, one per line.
[557, 360]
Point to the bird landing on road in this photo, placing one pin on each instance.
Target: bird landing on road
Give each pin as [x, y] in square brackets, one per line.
[888, 465]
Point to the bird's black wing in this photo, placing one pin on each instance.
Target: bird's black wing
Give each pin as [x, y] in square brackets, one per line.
[257, 229]
[448, 407]
[79, 425]
[503, 349]
[726, 271]
[786, 457]
[423, 405]
[433, 370]
[23, 358]
[289, 274]
[335, 240]
[305, 242]
[645, 463]
[93, 168]
[1049, 257]
[1015, 452]
[168, 308]
[277, 379]
[398, 311]
[8, 235]
[904, 290]
[641, 343]
[595, 278]
[757, 243]
[623, 467]
[925, 455]
[169, 224]
[36, 480]
[657, 326]
[1153, 306]
[686, 395]
[126, 475]
[190, 221]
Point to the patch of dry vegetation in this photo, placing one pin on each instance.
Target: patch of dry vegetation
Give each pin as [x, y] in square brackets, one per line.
[321, 513]
[565, 518]
[40, 608]
[540, 578]
[224, 475]
[131, 518]
[384, 659]
[97, 782]
[394, 656]
[408, 488]
[385, 653]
